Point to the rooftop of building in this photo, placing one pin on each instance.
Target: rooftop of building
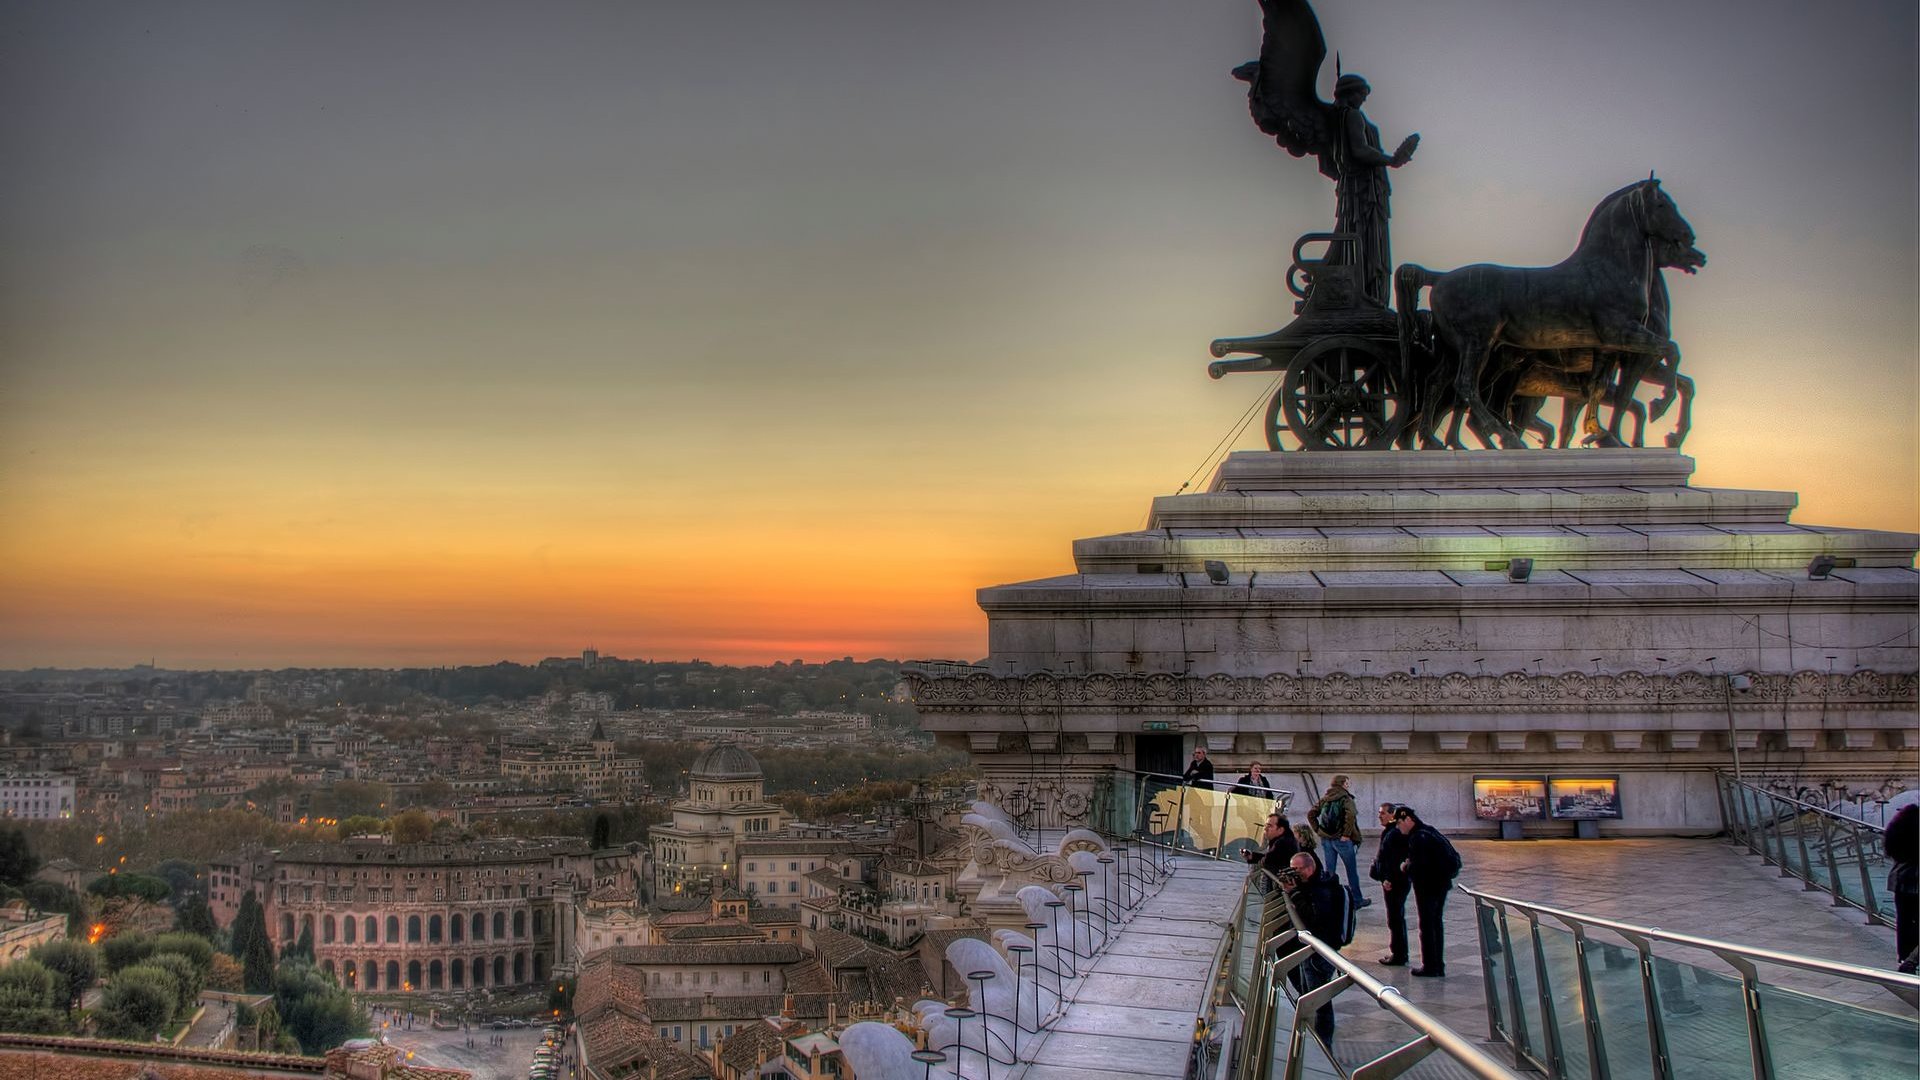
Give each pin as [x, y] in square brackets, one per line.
[726, 762]
[356, 852]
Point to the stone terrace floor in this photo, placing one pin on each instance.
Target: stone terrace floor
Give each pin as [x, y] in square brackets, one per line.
[1133, 1016]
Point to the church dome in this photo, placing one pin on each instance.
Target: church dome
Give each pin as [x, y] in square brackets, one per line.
[726, 762]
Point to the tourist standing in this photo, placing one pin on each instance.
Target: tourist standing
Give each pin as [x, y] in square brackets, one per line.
[1199, 771]
[1901, 840]
[1253, 783]
[1393, 884]
[1338, 823]
[1431, 864]
[1321, 905]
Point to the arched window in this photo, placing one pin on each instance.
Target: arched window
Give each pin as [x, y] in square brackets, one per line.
[499, 970]
[479, 972]
[393, 931]
[519, 925]
[327, 928]
[327, 966]
[287, 932]
[373, 932]
[456, 929]
[349, 929]
[499, 925]
[413, 975]
[306, 926]
[519, 967]
[393, 974]
[479, 927]
[433, 929]
[413, 929]
[539, 967]
[433, 975]
[539, 921]
[457, 971]
[351, 972]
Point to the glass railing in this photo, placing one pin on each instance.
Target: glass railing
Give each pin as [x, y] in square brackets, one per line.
[1844, 856]
[1579, 996]
[1222, 820]
[1278, 976]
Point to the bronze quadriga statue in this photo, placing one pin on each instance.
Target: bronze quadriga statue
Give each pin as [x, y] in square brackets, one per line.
[1497, 341]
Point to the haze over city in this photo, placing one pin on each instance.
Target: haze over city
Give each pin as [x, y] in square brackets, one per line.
[391, 336]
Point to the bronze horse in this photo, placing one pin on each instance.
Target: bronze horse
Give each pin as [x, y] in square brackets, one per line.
[1488, 322]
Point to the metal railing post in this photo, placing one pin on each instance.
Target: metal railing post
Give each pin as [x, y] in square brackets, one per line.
[1482, 911]
[1543, 989]
[1866, 876]
[1660, 1057]
[1590, 1009]
[1833, 865]
[1759, 1050]
[1522, 1041]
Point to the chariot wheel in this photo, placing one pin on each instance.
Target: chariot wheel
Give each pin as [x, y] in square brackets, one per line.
[1339, 393]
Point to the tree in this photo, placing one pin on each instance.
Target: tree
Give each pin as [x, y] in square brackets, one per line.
[196, 917]
[301, 949]
[258, 963]
[137, 1003]
[226, 973]
[314, 1009]
[197, 950]
[143, 886]
[412, 827]
[29, 999]
[75, 963]
[602, 831]
[18, 863]
[125, 950]
[188, 978]
[243, 929]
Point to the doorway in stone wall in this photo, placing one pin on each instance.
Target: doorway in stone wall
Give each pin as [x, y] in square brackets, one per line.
[1159, 753]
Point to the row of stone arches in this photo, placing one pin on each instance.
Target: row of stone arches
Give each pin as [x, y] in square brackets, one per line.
[432, 929]
[457, 973]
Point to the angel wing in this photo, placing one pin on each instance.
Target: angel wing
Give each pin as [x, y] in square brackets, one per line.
[1281, 92]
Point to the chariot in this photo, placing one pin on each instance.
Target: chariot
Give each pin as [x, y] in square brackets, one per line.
[1343, 384]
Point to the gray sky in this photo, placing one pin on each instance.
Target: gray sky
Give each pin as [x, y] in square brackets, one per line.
[292, 293]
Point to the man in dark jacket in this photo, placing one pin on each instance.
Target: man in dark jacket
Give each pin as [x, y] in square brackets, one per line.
[1902, 841]
[1394, 883]
[1431, 865]
[1199, 771]
[1280, 846]
[1320, 901]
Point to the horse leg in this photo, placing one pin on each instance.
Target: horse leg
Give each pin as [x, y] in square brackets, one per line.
[1466, 386]
[1569, 420]
[1683, 387]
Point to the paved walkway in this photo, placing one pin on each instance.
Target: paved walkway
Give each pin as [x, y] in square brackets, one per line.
[1133, 1014]
[1707, 888]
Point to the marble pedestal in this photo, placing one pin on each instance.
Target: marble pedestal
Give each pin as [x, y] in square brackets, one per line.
[1368, 623]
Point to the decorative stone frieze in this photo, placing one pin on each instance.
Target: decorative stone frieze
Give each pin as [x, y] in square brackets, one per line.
[1518, 691]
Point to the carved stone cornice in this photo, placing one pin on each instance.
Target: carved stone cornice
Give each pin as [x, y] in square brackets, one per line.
[1166, 691]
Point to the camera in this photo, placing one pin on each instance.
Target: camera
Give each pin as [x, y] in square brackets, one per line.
[1289, 878]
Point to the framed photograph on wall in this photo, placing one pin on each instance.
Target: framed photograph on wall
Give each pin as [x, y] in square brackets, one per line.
[1510, 798]
[1584, 797]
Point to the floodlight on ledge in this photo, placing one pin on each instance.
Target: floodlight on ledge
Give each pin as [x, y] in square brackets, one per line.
[1216, 571]
[1519, 570]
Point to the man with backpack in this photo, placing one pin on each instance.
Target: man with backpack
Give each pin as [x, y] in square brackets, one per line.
[1325, 910]
[1431, 864]
[1338, 824]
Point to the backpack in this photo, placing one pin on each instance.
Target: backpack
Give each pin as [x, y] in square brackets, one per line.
[1331, 817]
[1348, 916]
[1449, 856]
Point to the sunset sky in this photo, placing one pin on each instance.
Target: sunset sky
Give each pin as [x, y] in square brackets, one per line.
[398, 334]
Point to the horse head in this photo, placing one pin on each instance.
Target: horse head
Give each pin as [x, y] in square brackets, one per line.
[1674, 255]
[1657, 218]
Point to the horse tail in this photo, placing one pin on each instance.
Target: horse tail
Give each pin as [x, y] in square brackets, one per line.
[1415, 338]
[1408, 280]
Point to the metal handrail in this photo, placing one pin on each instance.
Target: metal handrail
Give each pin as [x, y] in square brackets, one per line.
[1286, 950]
[1756, 817]
[1725, 950]
[1804, 805]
